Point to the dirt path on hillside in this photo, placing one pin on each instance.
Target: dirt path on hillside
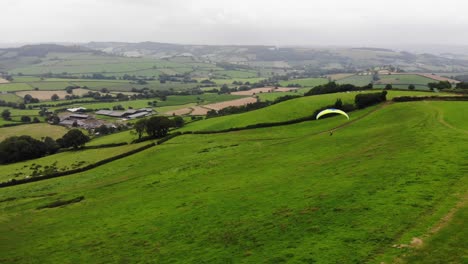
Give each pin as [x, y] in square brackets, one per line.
[440, 119]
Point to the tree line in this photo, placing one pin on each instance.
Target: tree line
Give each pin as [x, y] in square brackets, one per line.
[19, 148]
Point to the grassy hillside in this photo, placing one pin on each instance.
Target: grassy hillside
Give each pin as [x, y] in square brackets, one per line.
[64, 161]
[284, 194]
[288, 110]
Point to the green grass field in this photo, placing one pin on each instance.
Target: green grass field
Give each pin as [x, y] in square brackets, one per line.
[65, 160]
[9, 97]
[10, 87]
[306, 82]
[284, 111]
[357, 80]
[273, 96]
[120, 137]
[405, 79]
[34, 130]
[272, 195]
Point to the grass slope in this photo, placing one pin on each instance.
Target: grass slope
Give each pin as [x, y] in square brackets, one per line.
[284, 194]
[65, 160]
[291, 109]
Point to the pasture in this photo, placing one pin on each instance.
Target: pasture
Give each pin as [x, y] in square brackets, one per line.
[305, 82]
[292, 109]
[9, 97]
[37, 131]
[281, 194]
[405, 79]
[357, 80]
[63, 161]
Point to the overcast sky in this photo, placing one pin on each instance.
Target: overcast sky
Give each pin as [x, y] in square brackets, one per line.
[286, 22]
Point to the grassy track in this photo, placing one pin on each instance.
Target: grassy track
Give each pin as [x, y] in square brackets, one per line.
[251, 196]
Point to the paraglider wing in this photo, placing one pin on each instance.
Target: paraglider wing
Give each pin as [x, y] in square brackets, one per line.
[332, 111]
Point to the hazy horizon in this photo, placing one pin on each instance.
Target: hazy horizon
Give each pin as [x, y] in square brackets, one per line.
[359, 23]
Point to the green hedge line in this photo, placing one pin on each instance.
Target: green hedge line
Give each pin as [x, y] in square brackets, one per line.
[429, 98]
[110, 145]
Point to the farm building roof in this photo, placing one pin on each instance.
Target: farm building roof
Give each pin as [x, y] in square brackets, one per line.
[137, 115]
[110, 113]
[79, 116]
[77, 109]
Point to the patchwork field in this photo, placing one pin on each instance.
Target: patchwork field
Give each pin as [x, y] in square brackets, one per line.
[358, 80]
[404, 79]
[9, 97]
[282, 194]
[43, 95]
[306, 82]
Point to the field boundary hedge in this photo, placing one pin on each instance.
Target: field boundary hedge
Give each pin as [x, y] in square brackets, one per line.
[429, 98]
[109, 145]
[73, 171]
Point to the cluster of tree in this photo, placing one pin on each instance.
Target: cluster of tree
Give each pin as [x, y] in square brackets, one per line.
[27, 119]
[6, 114]
[73, 138]
[332, 87]
[462, 85]
[230, 66]
[440, 85]
[337, 105]
[154, 127]
[184, 78]
[20, 148]
[28, 99]
[98, 76]
[12, 104]
[367, 99]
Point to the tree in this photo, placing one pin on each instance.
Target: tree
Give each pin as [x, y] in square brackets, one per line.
[224, 89]
[388, 86]
[158, 126]
[411, 87]
[54, 97]
[6, 114]
[51, 146]
[178, 121]
[69, 90]
[36, 120]
[140, 127]
[103, 130]
[25, 119]
[73, 138]
[338, 103]
[15, 149]
[27, 98]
